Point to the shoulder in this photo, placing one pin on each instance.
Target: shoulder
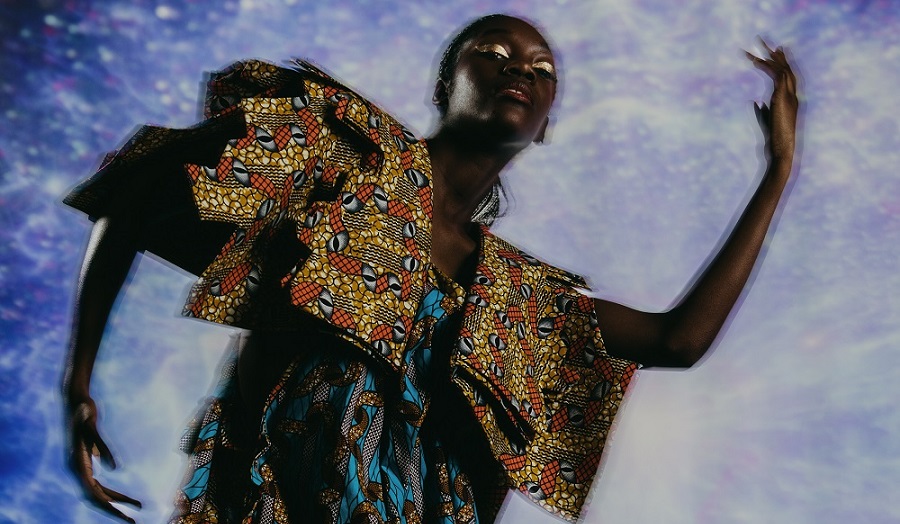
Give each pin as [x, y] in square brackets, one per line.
[254, 78]
[498, 250]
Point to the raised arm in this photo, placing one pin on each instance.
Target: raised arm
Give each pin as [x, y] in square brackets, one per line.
[681, 336]
[109, 256]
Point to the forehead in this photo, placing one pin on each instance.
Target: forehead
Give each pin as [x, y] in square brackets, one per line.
[513, 28]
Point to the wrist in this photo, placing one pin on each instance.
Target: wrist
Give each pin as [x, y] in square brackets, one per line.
[76, 392]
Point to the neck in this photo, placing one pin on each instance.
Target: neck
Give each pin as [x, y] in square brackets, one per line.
[464, 172]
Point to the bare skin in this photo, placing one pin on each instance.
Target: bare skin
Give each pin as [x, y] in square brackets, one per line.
[682, 335]
[106, 263]
[497, 104]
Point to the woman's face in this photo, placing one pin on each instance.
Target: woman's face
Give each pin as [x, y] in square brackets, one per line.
[504, 83]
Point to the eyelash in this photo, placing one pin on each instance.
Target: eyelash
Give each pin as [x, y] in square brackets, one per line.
[490, 52]
[545, 73]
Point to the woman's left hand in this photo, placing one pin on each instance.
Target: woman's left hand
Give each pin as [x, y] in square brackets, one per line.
[682, 335]
[779, 119]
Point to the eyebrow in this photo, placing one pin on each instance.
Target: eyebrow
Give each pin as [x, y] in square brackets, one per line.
[543, 44]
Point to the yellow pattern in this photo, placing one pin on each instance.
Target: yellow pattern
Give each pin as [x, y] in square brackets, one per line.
[355, 188]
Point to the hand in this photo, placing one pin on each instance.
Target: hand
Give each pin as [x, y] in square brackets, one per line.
[85, 444]
[779, 120]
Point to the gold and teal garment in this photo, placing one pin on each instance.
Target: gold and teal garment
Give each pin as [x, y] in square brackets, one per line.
[339, 440]
[303, 200]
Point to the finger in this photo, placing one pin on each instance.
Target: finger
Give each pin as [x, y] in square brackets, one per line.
[103, 452]
[790, 77]
[81, 463]
[91, 436]
[105, 506]
[752, 57]
[762, 63]
[765, 45]
[759, 63]
[120, 497]
[791, 83]
[99, 496]
[767, 68]
[785, 81]
[780, 59]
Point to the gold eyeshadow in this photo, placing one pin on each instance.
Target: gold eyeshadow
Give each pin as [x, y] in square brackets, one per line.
[493, 48]
[546, 66]
[501, 51]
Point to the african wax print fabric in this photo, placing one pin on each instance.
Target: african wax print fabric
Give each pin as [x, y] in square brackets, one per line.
[531, 361]
[339, 441]
[325, 203]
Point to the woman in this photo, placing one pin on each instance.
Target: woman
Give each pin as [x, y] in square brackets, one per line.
[404, 363]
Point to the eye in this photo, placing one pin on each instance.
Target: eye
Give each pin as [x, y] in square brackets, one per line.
[496, 51]
[546, 70]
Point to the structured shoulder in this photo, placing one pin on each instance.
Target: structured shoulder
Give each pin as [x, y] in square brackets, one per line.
[549, 271]
[253, 78]
[351, 183]
[531, 358]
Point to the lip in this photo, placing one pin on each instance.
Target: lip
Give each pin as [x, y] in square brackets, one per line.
[519, 91]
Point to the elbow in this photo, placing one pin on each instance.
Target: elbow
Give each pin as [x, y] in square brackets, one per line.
[684, 352]
[689, 357]
[685, 341]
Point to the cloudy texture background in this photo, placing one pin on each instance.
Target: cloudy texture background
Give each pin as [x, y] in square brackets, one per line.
[792, 418]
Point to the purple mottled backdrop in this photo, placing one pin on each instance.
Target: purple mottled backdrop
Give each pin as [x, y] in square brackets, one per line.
[793, 417]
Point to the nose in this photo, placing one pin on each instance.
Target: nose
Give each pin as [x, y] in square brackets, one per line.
[519, 68]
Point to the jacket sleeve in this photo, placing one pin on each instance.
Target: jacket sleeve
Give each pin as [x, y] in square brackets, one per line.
[534, 368]
[582, 388]
[329, 198]
[144, 183]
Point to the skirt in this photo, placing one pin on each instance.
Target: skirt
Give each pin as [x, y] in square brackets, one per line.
[340, 439]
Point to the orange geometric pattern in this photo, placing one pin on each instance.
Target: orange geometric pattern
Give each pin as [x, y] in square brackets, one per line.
[271, 175]
[561, 397]
[355, 187]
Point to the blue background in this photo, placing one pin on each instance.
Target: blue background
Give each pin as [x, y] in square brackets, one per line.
[654, 148]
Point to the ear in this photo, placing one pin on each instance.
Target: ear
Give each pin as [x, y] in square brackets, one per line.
[441, 93]
[542, 133]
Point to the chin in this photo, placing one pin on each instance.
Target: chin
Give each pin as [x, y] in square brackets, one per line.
[512, 131]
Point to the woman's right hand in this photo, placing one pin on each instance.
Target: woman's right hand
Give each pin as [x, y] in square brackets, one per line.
[85, 444]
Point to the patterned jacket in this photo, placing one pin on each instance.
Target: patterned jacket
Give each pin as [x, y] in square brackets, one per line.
[340, 192]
